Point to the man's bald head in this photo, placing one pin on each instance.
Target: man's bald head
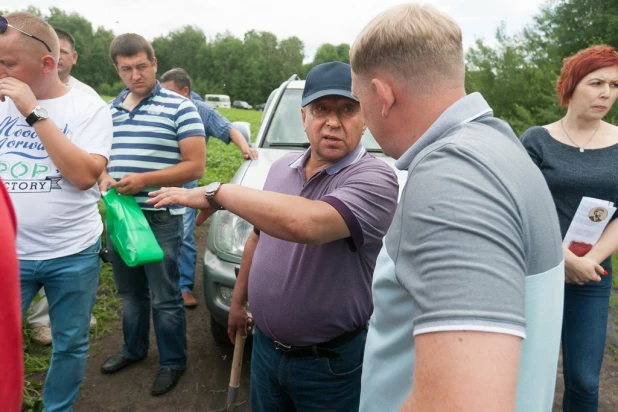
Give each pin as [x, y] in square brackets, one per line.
[37, 27]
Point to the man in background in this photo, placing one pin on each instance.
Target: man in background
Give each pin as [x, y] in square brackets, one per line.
[39, 313]
[68, 59]
[177, 80]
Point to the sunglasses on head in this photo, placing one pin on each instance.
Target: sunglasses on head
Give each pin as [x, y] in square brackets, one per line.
[4, 24]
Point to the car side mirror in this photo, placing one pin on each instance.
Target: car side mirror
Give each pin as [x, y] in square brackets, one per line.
[245, 129]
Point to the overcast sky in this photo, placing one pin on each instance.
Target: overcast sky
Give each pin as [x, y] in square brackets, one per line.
[314, 21]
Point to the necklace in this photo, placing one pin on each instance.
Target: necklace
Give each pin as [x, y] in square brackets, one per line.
[581, 148]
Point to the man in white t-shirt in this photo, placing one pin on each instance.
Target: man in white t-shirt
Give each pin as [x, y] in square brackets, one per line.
[54, 143]
[68, 59]
[39, 313]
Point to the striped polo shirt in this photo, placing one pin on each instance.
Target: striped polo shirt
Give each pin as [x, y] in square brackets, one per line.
[146, 138]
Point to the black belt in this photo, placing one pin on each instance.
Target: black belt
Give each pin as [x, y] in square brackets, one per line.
[319, 350]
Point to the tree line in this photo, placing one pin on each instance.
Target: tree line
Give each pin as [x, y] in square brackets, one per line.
[516, 74]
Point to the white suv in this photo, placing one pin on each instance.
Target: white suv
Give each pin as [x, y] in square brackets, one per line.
[281, 132]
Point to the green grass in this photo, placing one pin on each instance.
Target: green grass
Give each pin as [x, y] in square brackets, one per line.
[107, 98]
[222, 162]
[614, 350]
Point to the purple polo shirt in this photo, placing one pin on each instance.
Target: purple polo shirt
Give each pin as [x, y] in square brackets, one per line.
[306, 294]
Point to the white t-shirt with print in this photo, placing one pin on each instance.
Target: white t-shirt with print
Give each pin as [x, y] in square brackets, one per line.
[54, 218]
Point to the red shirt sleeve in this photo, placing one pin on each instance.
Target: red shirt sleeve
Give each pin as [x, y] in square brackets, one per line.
[11, 352]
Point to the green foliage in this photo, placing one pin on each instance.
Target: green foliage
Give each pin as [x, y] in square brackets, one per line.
[106, 90]
[247, 69]
[94, 65]
[223, 160]
[328, 53]
[518, 75]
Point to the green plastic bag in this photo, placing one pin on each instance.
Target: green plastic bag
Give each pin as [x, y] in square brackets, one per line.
[129, 230]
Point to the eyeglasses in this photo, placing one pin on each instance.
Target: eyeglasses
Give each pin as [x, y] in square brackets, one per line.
[4, 24]
[320, 111]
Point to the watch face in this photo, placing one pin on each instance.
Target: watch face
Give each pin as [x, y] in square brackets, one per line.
[41, 112]
[212, 187]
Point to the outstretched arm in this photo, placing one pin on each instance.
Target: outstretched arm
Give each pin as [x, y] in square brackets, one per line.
[286, 217]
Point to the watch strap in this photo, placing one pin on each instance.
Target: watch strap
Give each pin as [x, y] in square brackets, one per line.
[210, 197]
[32, 118]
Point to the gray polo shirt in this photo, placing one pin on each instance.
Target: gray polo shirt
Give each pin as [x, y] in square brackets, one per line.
[306, 294]
[474, 246]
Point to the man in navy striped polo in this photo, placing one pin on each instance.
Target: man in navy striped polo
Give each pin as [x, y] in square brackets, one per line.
[158, 141]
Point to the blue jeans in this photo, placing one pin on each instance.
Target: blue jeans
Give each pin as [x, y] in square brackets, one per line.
[584, 328]
[188, 252]
[284, 383]
[154, 285]
[71, 286]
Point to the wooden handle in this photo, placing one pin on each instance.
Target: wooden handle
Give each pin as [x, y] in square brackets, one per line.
[239, 347]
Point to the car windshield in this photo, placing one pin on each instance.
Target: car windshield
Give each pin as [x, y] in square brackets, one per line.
[286, 127]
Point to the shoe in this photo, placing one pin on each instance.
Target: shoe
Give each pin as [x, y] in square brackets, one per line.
[189, 300]
[93, 321]
[116, 362]
[165, 381]
[42, 335]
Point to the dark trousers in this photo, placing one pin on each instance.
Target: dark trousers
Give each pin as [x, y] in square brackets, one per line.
[584, 329]
[281, 382]
[155, 286]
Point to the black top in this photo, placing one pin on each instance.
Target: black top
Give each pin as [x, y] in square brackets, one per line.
[571, 174]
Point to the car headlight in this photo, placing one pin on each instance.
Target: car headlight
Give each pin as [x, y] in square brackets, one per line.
[231, 233]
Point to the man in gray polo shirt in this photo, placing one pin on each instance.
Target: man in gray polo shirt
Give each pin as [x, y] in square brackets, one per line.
[468, 290]
[307, 268]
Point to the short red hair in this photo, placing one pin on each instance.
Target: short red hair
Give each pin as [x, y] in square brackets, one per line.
[584, 62]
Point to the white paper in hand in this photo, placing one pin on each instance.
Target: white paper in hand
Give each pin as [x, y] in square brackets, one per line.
[589, 222]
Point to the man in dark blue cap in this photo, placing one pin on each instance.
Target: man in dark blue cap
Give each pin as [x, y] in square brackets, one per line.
[307, 267]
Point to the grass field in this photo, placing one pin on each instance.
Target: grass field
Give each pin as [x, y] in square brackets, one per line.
[221, 164]
[223, 160]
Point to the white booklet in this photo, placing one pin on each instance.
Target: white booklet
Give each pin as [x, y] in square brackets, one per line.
[589, 222]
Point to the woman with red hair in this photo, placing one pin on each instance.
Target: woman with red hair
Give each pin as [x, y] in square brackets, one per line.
[578, 155]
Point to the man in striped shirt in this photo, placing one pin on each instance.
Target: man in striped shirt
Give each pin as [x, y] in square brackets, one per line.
[158, 141]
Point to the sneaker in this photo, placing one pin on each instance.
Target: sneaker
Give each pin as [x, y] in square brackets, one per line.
[42, 335]
[93, 321]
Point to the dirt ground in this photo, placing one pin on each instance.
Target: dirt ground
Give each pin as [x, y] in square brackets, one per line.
[203, 387]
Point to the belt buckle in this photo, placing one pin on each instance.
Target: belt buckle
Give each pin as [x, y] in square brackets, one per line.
[282, 347]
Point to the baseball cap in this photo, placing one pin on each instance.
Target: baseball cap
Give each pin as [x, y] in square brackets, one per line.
[328, 79]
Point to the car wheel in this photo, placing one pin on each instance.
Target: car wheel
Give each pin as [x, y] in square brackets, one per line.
[219, 332]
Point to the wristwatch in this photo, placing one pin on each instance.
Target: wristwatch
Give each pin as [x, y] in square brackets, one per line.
[37, 114]
[210, 191]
